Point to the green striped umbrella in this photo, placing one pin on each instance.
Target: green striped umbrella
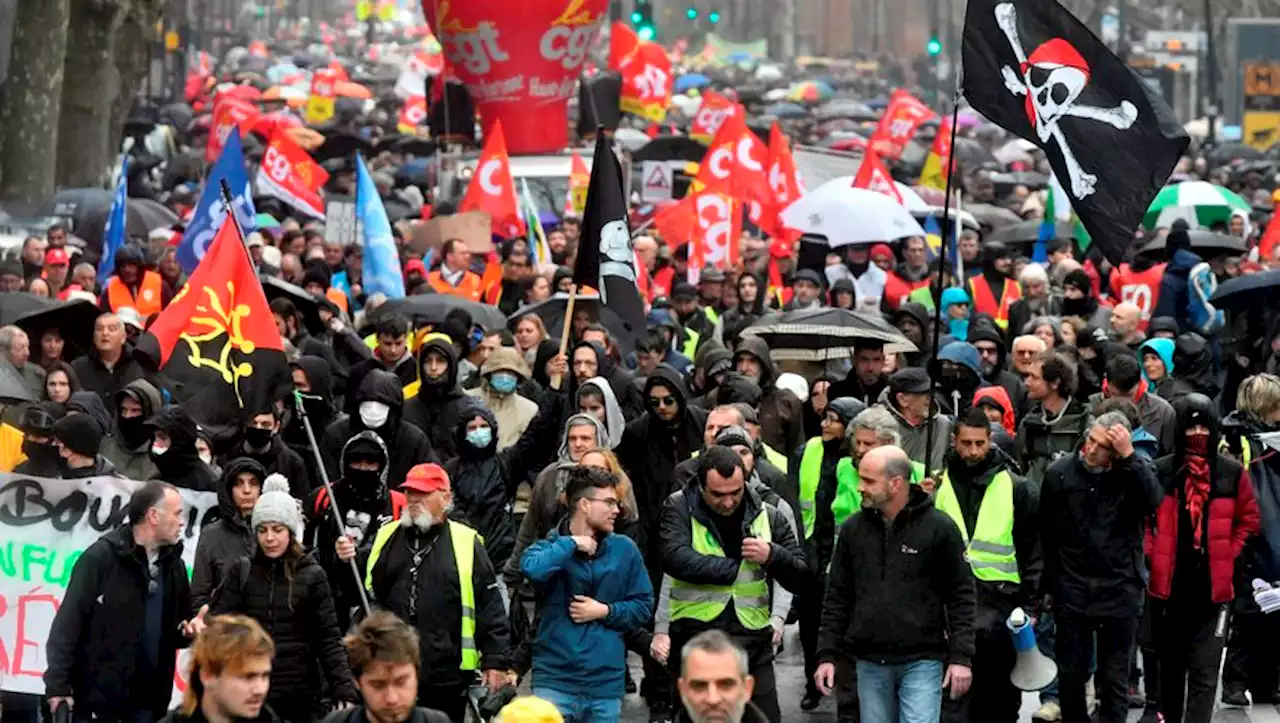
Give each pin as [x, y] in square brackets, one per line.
[1197, 202]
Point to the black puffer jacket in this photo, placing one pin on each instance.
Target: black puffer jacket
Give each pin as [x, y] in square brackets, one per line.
[407, 445]
[650, 450]
[440, 403]
[781, 413]
[296, 609]
[227, 540]
[93, 641]
[181, 465]
[1193, 368]
[485, 480]
[94, 376]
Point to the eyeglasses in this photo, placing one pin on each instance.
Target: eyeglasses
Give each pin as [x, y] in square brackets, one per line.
[657, 402]
[610, 502]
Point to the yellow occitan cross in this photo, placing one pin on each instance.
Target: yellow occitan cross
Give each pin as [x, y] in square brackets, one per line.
[220, 322]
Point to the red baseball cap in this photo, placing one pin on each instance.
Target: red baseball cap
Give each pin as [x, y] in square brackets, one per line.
[427, 477]
[57, 257]
[780, 249]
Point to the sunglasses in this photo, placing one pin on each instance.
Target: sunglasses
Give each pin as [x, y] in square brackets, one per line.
[657, 402]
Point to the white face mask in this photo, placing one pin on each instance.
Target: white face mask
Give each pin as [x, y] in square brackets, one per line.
[374, 414]
[158, 449]
[206, 458]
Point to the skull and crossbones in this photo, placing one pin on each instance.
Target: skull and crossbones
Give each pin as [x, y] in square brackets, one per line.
[1051, 79]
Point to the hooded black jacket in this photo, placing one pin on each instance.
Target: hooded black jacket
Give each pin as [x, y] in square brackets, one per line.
[1001, 376]
[181, 465]
[92, 647]
[296, 609]
[1193, 368]
[440, 404]
[278, 458]
[650, 450]
[484, 481]
[407, 444]
[1091, 530]
[781, 413]
[106, 383]
[227, 540]
[876, 566]
[129, 447]
[786, 564]
[321, 412]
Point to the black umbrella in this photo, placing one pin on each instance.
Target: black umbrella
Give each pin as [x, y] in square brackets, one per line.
[671, 148]
[1253, 290]
[75, 203]
[552, 312]
[15, 305]
[1025, 232]
[73, 320]
[1206, 243]
[845, 108]
[993, 216]
[142, 216]
[303, 301]
[817, 335]
[433, 308]
[13, 390]
[340, 144]
[1222, 154]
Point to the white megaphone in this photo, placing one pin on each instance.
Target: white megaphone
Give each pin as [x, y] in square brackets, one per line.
[1033, 671]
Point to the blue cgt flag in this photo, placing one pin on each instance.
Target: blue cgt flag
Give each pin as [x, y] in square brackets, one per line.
[114, 234]
[210, 211]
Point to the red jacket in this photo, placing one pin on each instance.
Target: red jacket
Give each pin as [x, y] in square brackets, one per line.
[1233, 517]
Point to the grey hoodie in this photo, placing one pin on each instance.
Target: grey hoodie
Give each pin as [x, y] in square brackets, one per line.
[615, 423]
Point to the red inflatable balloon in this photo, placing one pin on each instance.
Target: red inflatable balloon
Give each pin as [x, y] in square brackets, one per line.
[519, 60]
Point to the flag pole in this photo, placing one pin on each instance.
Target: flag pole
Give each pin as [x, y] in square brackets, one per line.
[333, 499]
[564, 333]
[227, 200]
[942, 265]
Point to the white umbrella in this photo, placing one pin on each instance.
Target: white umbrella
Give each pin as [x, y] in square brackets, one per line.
[910, 199]
[768, 73]
[776, 94]
[631, 139]
[1012, 152]
[849, 215]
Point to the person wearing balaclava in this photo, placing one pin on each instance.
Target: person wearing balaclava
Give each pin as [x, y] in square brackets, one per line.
[314, 379]
[229, 538]
[129, 447]
[379, 404]
[1208, 515]
[1078, 300]
[173, 450]
[500, 378]
[260, 440]
[440, 404]
[366, 503]
[994, 290]
[38, 444]
[79, 438]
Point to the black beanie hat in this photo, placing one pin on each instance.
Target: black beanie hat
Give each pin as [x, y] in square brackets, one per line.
[79, 433]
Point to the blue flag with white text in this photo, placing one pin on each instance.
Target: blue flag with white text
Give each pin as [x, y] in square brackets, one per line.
[381, 272]
[211, 210]
[113, 235]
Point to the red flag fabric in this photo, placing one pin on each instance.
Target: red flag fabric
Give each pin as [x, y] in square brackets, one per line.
[710, 221]
[492, 188]
[288, 173]
[784, 181]
[714, 111]
[738, 158]
[228, 112]
[902, 117]
[579, 179]
[622, 41]
[874, 176]
[1271, 237]
[217, 341]
[647, 82]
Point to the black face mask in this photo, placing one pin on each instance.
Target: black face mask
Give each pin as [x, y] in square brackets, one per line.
[42, 455]
[365, 485]
[258, 438]
[133, 431]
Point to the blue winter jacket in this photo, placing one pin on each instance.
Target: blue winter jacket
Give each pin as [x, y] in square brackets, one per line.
[1175, 298]
[587, 659]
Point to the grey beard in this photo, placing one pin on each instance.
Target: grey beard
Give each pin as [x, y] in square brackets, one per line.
[735, 715]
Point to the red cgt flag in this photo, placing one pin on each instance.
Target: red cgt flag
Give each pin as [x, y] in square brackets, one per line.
[873, 176]
[714, 111]
[217, 342]
[784, 182]
[647, 82]
[710, 221]
[492, 188]
[737, 158]
[899, 123]
[622, 42]
[288, 173]
[228, 112]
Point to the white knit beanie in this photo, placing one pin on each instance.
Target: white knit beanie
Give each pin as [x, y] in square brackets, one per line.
[278, 506]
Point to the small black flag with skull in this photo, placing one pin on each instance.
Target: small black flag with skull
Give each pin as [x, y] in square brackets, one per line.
[1035, 70]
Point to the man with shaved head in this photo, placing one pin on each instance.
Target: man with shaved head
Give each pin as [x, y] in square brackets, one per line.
[906, 655]
[1126, 319]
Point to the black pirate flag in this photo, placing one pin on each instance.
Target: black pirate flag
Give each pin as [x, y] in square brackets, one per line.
[1034, 70]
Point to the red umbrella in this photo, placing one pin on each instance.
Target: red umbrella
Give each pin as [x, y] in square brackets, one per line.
[269, 122]
[244, 92]
[856, 143]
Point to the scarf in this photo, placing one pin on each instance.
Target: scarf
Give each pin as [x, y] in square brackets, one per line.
[1196, 490]
[1136, 395]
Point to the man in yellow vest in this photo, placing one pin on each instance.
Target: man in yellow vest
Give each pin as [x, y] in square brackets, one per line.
[433, 572]
[815, 473]
[996, 513]
[723, 548]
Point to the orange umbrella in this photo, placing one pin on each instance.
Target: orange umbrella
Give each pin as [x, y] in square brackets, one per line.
[347, 89]
[308, 139]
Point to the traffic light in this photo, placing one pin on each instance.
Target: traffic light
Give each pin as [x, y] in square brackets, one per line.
[691, 13]
[713, 17]
[642, 19]
[934, 46]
